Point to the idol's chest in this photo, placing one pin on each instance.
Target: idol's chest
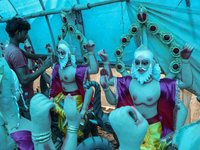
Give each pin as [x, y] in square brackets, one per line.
[146, 93]
[67, 74]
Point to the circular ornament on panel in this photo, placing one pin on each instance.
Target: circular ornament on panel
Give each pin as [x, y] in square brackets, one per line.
[175, 50]
[166, 37]
[119, 52]
[175, 66]
[142, 16]
[153, 28]
[134, 29]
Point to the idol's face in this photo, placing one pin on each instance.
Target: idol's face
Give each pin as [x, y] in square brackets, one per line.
[61, 54]
[142, 64]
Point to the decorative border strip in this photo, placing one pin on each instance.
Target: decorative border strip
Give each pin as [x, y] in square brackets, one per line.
[177, 105]
[153, 28]
[116, 91]
[68, 27]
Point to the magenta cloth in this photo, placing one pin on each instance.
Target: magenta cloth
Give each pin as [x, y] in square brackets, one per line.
[23, 140]
[15, 58]
[166, 102]
[56, 87]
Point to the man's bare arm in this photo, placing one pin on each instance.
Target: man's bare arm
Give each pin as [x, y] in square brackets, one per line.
[28, 78]
[36, 56]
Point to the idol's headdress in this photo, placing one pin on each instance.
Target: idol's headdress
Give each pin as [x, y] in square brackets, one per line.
[143, 52]
[65, 46]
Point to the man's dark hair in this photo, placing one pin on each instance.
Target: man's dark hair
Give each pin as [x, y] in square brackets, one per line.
[16, 23]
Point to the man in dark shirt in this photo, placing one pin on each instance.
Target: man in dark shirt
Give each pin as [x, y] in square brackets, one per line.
[18, 28]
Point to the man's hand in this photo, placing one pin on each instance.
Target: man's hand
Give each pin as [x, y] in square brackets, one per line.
[104, 78]
[70, 108]
[40, 63]
[47, 63]
[186, 51]
[40, 113]
[90, 46]
[129, 126]
[103, 55]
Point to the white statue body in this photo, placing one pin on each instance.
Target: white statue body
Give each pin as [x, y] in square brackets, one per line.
[67, 78]
[67, 70]
[144, 88]
[146, 99]
[9, 115]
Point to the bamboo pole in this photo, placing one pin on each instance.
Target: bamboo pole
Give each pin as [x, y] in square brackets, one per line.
[188, 3]
[68, 8]
[13, 7]
[49, 26]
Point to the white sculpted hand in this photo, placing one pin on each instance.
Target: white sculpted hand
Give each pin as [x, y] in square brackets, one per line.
[104, 78]
[90, 46]
[129, 126]
[103, 55]
[40, 113]
[70, 108]
[186, 51]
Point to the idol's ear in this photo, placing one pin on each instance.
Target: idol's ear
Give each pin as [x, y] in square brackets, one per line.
[153, 63]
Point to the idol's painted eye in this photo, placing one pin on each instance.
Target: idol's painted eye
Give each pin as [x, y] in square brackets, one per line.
[63, 53]
[137, 62]
[145, 62]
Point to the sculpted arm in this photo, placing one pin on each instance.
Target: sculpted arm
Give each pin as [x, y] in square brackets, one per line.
[87, 99]
[104, 57]
[41, 122]
[110, 96]
[181, 116]
[107, 78]
[94, 66]
[73, 117]
[186, 74]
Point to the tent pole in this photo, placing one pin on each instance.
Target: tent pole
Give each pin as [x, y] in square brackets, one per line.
[13, 8]
[49, 26]
[56, 11]
[188, 3]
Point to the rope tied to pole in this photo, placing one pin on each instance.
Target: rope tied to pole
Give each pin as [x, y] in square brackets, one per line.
[77, 13]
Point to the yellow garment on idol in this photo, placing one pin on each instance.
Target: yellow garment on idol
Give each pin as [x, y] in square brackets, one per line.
[61, 114]
[152, 138]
